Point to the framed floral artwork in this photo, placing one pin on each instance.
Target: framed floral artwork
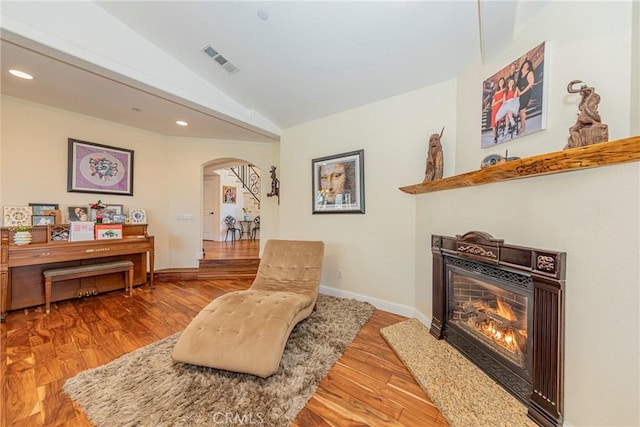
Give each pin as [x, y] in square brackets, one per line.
[97, 168]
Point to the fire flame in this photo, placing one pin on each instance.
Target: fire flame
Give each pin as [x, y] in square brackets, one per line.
[504, 337]
[505, 311]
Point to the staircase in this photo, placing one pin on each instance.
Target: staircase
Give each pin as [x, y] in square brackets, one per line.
[249, 177]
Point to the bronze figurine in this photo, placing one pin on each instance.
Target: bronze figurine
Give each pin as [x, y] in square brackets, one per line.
[275, 185]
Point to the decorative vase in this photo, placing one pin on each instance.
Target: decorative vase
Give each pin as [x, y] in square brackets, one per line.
[247, 217]
[99, 217]
[22, 237]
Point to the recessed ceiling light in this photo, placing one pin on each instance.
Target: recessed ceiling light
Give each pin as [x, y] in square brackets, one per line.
[182, 123]
[21, 74]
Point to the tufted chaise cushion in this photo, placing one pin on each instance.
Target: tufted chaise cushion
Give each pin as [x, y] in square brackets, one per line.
[246, 331]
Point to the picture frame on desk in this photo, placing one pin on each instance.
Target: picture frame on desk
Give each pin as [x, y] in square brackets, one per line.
[78, 213]
[17, 215]
[107, 213]
[81, 230]
[138, 216]
[56, 213]
[119, 219]
[98, 168]
[108, 231]
[41, 208]
[43, 219]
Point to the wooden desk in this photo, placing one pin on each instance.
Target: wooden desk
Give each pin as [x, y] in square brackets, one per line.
[21, 267]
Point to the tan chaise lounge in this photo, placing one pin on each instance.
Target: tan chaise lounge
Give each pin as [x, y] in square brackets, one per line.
[246, 331]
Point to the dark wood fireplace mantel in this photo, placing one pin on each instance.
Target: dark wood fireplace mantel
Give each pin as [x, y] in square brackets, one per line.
[547, 272]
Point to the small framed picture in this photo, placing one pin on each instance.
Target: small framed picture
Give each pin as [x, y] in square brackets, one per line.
[119, 219]
[107, 213]
[138, 216]
[81, 230]
[108, 231]
[78, 213]
[229, 194]
[43, 219]
[338, 183]
[40, 208]
[17, 215]
[55, 213]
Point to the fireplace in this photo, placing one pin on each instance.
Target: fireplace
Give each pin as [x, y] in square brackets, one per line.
[502, 307]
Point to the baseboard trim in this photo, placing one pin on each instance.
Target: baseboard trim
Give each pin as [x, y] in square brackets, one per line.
[391, 307]
[422, 318]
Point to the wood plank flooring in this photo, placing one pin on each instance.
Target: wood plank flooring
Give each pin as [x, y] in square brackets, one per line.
[239, 249]
[367, 386]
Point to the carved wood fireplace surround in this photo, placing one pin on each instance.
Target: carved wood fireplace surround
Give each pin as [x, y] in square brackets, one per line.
[502, 306]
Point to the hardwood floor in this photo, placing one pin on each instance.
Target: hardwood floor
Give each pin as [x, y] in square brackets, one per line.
[367, 386]
[239, 249]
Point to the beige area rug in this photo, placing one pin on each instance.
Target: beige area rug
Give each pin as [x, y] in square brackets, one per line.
[147, 388]
[465, 395]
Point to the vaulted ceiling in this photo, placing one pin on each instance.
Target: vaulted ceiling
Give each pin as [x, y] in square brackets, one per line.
[295, 61]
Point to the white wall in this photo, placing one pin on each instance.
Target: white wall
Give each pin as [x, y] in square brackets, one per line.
[635, 69]
[593, 215]
[167, 173]
[375, 250]
[385, 254]
[34, 162]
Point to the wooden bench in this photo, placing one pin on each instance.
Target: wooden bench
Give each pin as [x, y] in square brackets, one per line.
[80, 271]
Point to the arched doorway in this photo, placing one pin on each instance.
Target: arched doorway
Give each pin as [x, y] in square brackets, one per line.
[230, 188]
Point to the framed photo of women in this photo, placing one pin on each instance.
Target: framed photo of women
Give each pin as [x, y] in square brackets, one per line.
[338, 183]
[513, 99]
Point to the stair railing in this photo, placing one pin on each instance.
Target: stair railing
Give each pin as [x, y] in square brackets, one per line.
[250, 179]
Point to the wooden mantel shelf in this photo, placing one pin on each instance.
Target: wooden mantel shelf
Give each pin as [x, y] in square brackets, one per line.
[603, 154]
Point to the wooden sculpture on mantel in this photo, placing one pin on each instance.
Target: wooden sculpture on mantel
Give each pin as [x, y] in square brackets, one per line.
[588, 128]
[435, 161]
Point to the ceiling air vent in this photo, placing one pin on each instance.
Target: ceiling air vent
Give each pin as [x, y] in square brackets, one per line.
[221, 60]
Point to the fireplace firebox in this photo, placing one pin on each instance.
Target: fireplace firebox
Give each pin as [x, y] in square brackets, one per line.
[502, 307]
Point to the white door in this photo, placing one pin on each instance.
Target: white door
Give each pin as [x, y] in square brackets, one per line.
[210, 194]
